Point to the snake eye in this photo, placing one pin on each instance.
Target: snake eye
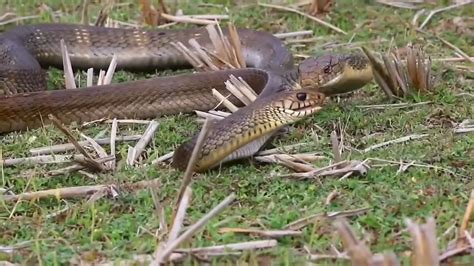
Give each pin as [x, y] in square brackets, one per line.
[301, 96]
[327, 69]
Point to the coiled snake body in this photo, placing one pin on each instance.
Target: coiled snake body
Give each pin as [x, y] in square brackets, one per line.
[25, 50]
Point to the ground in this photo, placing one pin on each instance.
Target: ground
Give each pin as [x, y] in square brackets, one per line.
[122, 227]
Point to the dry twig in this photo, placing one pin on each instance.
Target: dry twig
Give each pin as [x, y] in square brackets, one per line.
[99, 151]
[393, 105]
[135, 152]
[80, 191]
[262, 233]
[177, 222]
[298, 157]
[113, 138]
[455, 48]
[180, 213]
[468, 215]
[293, 34]
[395, 141]
[428, 166]
[42, 159]
[424, 243]
[194, 228]
[334, 194]
[443, 9]
[67, 68]
[398, 80]
[401, 4]
[104, 14]
[288, 161]
[88, 160]
[467, 125]
[336, 150]
[110, 71]
[188, 174]
[303, 222]
[15, 19]
[322, 22]
[211, 251]
[250, 245]
[188, 19]
[69, 146]
[358, 252]
[340, 169]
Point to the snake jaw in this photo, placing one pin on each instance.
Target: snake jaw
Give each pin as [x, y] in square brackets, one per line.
[306, 110]
[301, 104]
[347, 80]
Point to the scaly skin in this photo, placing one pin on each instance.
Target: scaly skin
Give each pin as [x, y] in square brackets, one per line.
[265, 115]
[271, 73]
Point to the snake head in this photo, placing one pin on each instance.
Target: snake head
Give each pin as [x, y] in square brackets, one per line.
[290, 106]
[261, 117]
[335, 74]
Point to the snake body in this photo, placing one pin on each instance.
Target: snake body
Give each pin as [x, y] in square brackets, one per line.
[26, 50]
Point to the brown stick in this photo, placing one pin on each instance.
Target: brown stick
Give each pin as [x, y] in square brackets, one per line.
[187, 19]
[188, 174]
[357, 250]
[261, 233]
[69, 146]
[78, 192]
[335, 147]
[177, 222]
[195, 227]
[42, 159]
[439, 10]
[136, 151]
[69, 135]
[424, 242]
[465, 221]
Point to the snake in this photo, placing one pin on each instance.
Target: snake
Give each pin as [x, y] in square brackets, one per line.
[286, 92]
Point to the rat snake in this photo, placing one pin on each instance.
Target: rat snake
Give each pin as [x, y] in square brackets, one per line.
[26, 103]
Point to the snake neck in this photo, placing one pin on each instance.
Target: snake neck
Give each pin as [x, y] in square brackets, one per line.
[281, 80]
[291, 79]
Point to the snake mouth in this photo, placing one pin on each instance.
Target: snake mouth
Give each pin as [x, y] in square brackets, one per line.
[333, 82]
[347, 80]
[304, 110]
[301, 104]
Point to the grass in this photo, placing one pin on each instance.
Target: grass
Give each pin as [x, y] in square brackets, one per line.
[120, 228]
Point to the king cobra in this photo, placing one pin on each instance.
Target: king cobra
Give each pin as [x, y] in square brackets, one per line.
[286, 93]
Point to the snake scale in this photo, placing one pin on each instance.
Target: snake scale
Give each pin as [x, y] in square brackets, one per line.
[25, 52]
